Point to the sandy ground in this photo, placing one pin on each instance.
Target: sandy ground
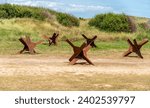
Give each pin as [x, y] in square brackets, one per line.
[35, 65]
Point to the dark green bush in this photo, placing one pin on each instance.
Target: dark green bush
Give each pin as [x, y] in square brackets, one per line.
[9, 9]
[67, 20]
[12, 11]
[111, 22]
[15, 11]
[25, 13]
[3, 14]
[38, 15]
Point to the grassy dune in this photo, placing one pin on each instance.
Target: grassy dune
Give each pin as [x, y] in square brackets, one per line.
[19, 22]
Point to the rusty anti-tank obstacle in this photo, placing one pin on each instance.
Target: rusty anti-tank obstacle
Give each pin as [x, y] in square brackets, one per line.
[28, 44]
[88, 40]
[135, 47]
[52, 40]
[80, 52]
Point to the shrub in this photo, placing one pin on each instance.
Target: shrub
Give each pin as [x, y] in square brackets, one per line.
[144, 26]
[132, 25]
[67, 20]
[148, 24]
[47, 15]
[25, 13]
[15, 11]
[38, 15]
[3, 14]
[82, 18]
[111, 22]
[11, 11]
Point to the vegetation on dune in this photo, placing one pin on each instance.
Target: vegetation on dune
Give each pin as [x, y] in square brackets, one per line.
[67, 20]
[23, 20]
[15, 11]
[112, 22]
[145, 26]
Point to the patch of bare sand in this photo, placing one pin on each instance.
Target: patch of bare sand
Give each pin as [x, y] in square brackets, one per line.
[35, 65]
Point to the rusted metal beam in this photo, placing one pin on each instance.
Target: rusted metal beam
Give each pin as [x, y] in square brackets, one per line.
[28, 44]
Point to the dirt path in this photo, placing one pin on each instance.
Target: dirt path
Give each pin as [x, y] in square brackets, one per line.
[35, 65]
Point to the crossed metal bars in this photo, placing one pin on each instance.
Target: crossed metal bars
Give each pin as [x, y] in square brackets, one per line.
[53, 39]
[88, 40]
[80, 52]
[28, 44]
[135, 47]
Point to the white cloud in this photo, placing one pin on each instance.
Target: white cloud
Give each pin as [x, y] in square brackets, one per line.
[63, 6]
[60, 6]
[86, 8]
[38, 3]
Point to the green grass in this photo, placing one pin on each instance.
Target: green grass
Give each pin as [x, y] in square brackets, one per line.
[11, 48]
[13, 29]
[70, 81]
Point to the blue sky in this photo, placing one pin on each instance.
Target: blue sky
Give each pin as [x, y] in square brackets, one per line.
[89, 8]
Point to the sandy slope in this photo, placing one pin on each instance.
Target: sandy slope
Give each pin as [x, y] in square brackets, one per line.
[35, 65]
